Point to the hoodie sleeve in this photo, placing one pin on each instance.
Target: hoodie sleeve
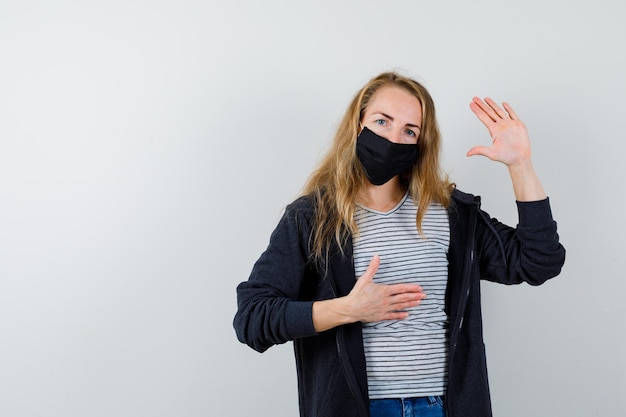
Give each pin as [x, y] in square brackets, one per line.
[529, 253]
[268, 311]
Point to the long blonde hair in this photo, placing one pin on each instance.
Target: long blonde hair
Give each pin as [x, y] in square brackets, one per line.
[338, 179]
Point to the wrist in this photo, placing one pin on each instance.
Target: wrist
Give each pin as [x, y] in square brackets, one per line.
[521, 167]
[331, 313]
[526, 183]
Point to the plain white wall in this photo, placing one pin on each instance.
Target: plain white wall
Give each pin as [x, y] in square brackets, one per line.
[147, 149]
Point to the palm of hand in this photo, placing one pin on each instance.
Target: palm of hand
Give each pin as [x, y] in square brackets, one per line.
[510, 141]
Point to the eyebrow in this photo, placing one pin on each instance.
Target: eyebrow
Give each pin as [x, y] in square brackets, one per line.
[391, 118]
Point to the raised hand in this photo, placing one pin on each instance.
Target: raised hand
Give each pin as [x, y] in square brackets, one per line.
[510, 145]
[510, 142]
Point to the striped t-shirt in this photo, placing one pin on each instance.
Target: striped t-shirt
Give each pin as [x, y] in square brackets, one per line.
[406, 358]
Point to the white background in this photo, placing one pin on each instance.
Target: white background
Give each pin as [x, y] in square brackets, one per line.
[147, 149]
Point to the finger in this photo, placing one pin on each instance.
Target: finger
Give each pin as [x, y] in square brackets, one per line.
[487, 108]
[398, 289]
[405, 306]
[407, 301]
[482, 114]
[510, 111]
[372, 268]
[395, 315]
[480, 150]
[497, 109]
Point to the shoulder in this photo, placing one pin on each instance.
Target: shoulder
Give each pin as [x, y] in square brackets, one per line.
[302, 206]
[463, 197]
[460, 198]
[300, 212]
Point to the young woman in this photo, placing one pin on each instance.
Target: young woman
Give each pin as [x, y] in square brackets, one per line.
[374, 273]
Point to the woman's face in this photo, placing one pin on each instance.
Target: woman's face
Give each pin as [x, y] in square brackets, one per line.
[394, 114]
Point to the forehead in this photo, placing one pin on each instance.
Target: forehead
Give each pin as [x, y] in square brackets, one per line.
[396, 102]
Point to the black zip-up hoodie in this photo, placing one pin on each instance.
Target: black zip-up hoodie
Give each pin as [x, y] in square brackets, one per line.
[275, 304]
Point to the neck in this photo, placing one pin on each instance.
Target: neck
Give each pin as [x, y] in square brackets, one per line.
[382, 197]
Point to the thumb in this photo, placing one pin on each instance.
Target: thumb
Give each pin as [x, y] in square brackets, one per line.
[371, 270]
[479, 150]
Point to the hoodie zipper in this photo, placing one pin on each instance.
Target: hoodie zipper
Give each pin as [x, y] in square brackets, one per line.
[467, 267]
[350, 378]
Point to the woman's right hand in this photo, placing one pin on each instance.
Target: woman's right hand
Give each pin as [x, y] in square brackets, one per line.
[367, 302]
[371, 302]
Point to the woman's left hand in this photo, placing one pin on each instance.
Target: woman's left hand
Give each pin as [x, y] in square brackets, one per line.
[510, 141]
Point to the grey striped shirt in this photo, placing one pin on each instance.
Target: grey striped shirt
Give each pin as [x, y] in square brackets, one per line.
[406, 358]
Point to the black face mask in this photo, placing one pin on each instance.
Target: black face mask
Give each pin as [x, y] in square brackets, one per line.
[383, 159]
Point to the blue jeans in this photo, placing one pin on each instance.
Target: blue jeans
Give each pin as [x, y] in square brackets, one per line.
[408, 407]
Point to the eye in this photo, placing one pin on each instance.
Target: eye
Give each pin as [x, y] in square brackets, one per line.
[380, 122]
[413, 134]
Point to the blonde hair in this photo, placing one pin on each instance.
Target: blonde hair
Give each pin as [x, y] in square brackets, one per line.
[338, 179]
